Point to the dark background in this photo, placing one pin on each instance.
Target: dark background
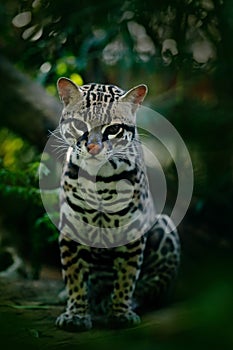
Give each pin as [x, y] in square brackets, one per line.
[183, 51]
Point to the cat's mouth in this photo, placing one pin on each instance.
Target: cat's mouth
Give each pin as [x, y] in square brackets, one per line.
[93, 159]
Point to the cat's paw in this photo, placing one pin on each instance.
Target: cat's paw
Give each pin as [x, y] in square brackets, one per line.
[73, 322]
[126, 319]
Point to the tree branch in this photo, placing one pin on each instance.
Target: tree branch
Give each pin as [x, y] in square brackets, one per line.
[25, 106]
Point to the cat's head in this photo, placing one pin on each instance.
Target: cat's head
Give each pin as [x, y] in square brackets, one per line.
[97, 118]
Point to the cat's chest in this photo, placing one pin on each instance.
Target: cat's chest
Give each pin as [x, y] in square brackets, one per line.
[111, 187]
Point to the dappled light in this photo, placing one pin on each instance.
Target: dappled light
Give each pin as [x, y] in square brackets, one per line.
[183, 31]
[22, 19]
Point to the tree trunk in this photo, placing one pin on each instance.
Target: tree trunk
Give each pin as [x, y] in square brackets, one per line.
[25, 107]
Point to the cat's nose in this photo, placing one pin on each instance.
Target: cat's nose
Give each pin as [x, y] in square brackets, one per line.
[94, 148]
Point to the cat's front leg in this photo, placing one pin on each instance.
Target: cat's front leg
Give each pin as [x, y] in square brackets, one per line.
[127, 266]
[75, 271]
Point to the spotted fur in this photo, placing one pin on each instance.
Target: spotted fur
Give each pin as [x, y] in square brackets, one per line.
[114, 249]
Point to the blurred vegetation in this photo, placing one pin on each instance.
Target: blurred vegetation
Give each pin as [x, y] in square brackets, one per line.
[182, 50]
[29, 228]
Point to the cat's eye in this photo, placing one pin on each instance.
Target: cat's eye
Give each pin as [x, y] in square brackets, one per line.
[113, 129]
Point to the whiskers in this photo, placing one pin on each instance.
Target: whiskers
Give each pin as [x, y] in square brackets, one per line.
[59, 145]
[128, 153]
[121, 148]
[56, 134]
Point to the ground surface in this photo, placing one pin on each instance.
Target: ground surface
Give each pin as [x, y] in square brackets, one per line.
[28, 310]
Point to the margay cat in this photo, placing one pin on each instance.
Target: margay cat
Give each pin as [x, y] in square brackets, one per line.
[113, 248]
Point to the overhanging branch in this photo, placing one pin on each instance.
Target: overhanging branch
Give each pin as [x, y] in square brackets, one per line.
[25, 107]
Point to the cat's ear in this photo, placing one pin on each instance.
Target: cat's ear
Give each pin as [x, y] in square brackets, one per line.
[135, 95]
[68, 91]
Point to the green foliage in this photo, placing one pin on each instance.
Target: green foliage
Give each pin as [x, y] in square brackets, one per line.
[129, 35]
[45, 222]
[19, 183]
[20, 201]
[15, 152]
